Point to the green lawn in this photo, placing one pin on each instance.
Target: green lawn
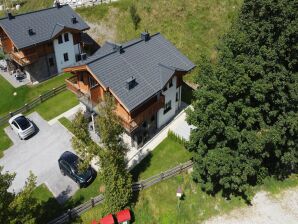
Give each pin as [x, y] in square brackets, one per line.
[5, 141]
[165, 156]
[9, 102]
[49, 206]
[66, 123]
[57, 105]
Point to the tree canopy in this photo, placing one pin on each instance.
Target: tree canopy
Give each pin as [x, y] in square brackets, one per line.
[245, 109]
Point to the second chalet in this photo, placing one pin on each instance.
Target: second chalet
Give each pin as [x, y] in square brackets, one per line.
[143, 75]
[42, 43]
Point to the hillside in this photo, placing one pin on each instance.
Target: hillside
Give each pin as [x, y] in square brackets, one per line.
[194, 26]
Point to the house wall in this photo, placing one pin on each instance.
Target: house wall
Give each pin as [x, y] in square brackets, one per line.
[66, 47]
[41, 69]
[170, 95]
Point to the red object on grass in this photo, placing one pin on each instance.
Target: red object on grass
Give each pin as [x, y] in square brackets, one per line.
[94, 222]
[123, 216]
[109, 219]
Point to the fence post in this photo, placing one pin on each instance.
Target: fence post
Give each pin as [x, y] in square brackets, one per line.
[92, 202]
[26, 106]
[40, 97]
[161, 175]
[69, 214]
[181, 167]
[10, 114]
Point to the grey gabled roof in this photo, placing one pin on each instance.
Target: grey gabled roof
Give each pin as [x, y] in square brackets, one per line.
[46, 24]
[151, 62]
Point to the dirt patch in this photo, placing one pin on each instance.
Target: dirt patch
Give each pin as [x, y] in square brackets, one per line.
[104, 30]
[265, 209]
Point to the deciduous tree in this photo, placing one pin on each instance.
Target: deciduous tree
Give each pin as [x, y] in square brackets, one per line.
[246, 109]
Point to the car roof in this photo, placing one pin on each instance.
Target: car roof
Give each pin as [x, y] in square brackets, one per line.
[69, 157]
[14, 117]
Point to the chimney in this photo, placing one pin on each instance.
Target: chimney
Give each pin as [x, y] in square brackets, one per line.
[145, 36]
[119, 48]
[30, 31]
[130, 83]
[10, 16]
[58, 5]
[74, 20]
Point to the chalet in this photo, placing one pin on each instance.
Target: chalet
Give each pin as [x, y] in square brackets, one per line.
[43, 42]
[143, 75]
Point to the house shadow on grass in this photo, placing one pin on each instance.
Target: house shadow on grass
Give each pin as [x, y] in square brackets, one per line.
[141, 167]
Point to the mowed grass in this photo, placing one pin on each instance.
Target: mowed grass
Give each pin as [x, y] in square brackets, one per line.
[193, 26]
[5, 141]
[9, 102]
[165, 156]
[57, 105]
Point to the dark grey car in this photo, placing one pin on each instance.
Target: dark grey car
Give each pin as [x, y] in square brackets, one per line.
[68, 164]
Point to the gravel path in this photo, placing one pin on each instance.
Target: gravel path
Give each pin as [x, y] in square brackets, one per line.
[265, 209]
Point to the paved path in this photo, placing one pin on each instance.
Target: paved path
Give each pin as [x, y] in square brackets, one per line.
[40, 154]
[11, 79]
[265, 209]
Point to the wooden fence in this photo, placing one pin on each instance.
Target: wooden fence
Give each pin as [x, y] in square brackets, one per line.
[138, 186]
[28, 106]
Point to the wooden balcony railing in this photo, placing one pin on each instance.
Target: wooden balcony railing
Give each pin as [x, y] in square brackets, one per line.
[23, 60]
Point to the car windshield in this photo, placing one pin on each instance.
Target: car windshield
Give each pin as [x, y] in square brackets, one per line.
[23, 122]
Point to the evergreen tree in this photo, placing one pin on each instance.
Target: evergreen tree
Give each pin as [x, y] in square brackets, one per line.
[245, 109]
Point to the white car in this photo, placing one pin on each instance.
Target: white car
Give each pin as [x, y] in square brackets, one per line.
[22, 126]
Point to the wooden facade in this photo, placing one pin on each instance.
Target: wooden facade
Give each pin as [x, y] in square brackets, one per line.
[83, 83]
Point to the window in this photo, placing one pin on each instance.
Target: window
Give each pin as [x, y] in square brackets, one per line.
[66, 38]
[177, 96]
[167, 107]
[165, 88]
[170, 83]
[65, 55]
[60, 40]
[51, 62]
[145, 124]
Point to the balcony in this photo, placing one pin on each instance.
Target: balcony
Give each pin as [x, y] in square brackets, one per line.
[22, 60]
[72, 85]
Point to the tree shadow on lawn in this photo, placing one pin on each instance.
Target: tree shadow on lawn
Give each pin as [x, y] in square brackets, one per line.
[51, 209]
[141, 167]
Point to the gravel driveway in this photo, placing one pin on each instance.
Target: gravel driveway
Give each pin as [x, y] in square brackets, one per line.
[265, 209]
[40, 154]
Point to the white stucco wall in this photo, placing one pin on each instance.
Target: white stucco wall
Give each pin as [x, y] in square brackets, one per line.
[170, 95]
[61, 49]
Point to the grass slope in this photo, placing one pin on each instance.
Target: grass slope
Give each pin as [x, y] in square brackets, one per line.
[193, 26]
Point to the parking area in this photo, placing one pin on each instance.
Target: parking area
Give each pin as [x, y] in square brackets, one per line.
[40, 154]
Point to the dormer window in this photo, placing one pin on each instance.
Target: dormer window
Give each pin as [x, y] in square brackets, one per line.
[131, 83]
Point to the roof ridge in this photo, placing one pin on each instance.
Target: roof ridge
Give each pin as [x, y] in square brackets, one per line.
[39, 10]
[111, 43]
